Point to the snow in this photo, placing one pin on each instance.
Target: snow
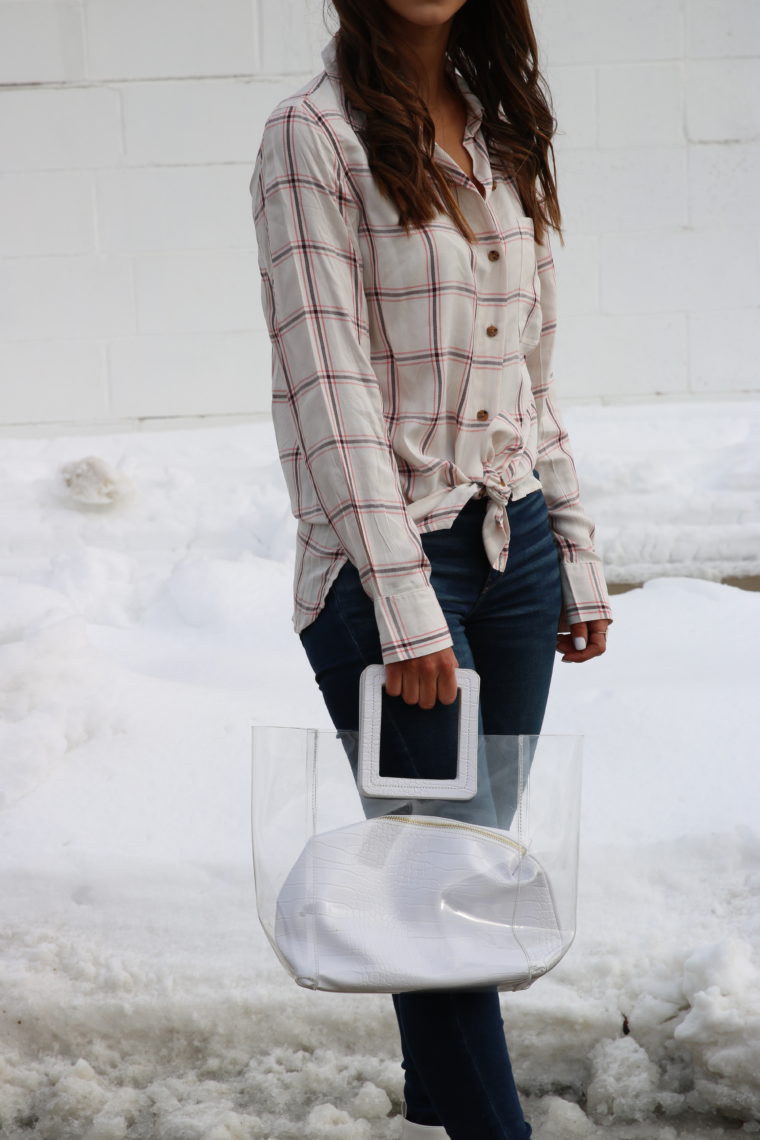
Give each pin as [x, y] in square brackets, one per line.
[145, 591]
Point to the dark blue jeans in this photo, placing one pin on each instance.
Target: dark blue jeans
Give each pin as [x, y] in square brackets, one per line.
[504, 625]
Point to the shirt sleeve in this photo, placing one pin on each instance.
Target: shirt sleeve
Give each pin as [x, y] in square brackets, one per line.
[324, 387]
[584, 588]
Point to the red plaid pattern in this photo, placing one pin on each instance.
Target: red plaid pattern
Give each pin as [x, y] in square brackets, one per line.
[408, 372]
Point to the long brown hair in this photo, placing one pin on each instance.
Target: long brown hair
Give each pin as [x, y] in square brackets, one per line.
[494, 47]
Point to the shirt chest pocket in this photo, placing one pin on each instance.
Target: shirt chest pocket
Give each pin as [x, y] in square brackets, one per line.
[521, 287]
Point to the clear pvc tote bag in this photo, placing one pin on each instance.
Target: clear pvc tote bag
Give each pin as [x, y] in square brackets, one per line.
[415, 852]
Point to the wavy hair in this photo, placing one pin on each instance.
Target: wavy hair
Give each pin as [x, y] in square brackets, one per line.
[493, 45]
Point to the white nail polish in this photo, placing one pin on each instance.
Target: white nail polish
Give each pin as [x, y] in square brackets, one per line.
[579, 643]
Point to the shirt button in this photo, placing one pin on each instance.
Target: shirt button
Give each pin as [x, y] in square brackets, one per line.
[483, 414]
[493, 255]
[491, 330]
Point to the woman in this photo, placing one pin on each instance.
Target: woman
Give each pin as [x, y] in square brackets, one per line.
[401, 200]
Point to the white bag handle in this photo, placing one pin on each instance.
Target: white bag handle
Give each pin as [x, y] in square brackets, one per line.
[463, 787]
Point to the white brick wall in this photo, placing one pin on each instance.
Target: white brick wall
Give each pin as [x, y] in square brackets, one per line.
[129, 291]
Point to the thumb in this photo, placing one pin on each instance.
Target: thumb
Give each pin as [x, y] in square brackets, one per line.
[579, 630]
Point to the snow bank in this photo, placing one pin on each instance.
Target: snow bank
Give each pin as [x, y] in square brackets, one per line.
[143, 633]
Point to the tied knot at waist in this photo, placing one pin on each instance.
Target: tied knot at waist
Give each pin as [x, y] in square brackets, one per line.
[495, 521]
[499, 493]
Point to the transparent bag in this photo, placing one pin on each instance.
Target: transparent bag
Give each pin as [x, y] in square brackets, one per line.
[417, 852]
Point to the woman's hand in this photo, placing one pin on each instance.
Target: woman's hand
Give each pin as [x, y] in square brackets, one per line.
[423, 680]
[594, 633]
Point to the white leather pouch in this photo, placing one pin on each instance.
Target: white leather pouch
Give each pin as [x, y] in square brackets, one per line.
[465, 882]
[417, 902]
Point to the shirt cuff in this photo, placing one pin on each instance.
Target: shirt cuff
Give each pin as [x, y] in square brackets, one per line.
[584, 590]
[411, 624]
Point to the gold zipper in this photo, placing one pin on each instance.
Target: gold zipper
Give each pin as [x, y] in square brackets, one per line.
[456, 824]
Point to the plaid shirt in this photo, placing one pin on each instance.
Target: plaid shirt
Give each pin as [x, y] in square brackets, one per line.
[409, 373]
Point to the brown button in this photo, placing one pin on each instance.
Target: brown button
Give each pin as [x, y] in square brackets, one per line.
[493, 255]
[491, 330]
[483, 414]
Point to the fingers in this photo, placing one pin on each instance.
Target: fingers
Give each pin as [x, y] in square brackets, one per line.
[594, 633]
[393, 675]
[579, 634]
[423, 680]
[447, 682]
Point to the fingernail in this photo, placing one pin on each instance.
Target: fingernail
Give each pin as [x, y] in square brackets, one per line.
[579, 643]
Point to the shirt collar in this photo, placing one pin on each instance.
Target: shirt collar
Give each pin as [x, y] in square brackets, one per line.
[328, 56]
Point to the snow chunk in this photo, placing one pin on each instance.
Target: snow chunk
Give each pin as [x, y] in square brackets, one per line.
[624, 1083]
[93, 481]
[722, 1027]
[329, 1121]
[565, 1120]
[371, 1102]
